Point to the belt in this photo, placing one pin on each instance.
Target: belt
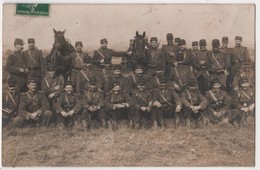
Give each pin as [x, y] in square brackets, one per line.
[151, 65]
[217, 71]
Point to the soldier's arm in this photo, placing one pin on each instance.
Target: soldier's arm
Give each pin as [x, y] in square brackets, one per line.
[108, 103]
[10, 65]
[203, 101]
[42, 64]
[58, 104]
[78, 105]
[96, 58]
[176, 98]
[184, 100]
[101, 101]
[22, 108]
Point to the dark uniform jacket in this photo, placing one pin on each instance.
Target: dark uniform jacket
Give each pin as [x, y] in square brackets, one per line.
[218, 62]
[49, 83]
[240, 56]
[77, 60]
[68, 102]
[101, 53]
[121, 97]
[105, 75]
[218, 101]
[34, 60]
[124, 84]
[142, 98]
[14, 63]
[30, 103]
[244, 98]
[166, 97]
[90, 98]
[193, 98]
[169, 51]
[10, 104]
[201, 64]
[156, 59]
[229, 55]
[188, 57]
[134, 79]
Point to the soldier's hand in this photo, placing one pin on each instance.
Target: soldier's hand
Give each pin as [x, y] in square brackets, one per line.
[177, 87]
[129, 53]
[157, 104]
[57, 87]
[34, 115]
[178, 108]
[64, 114]
[22, 70]
[125, 104]
[148, 109]
[226, 72]
[251, 107]
[245, 109]
[171, 54]
[143, 108]
[70, 113]
[51, 95]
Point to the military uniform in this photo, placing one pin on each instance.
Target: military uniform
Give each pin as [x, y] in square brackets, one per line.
[118, 106]
[30, 103]
[187, 53]
[192, 98]
[201, 66]
[218, 64]
[93, 99]
[15, 62]
[195, 51]
[68, 102]
[168, 99]
[104, 52]
[35, 63]
[105, 73]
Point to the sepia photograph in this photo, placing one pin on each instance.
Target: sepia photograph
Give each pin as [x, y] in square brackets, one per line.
[128, 85]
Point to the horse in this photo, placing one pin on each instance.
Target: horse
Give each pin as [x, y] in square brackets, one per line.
[138, 49]
[60, 54]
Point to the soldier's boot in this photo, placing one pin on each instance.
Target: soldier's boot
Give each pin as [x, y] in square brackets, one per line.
[155, 126]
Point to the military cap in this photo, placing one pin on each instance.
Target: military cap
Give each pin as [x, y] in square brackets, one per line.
[117, 67]
[203, 42]
[50, 67]
[169, 36]
[243, 79]
[92, 81]
[68, 83]
[225, 39]
[104, 40]
[238, 38]
[153, 39]
[11, 82]
[18, 41]
[163, 80]
[195, 43]
[192, 83]
[214, 81]
[139, 66]
[78, 43]
[107, 60]
[141, 82]
[31, 40]
[87, 59]
[115, 83]
[182, 42]
[215, 43]
[31, 80]
[177, 39]
[179, 56]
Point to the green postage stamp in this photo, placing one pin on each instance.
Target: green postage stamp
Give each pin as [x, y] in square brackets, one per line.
[32, 9]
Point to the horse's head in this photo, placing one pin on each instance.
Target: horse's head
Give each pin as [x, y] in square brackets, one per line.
[59, 38]
[139, 44]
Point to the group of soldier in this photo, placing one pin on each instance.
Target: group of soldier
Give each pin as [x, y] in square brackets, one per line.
[189, 86]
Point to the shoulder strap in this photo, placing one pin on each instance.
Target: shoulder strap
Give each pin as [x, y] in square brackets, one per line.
[189, 96]
[78, 57]
[134, 78]
[101, 54]
[84, 75]
[178, 76]
[213, 96]
[11, 97]
[216, 60]
[66, 98]
[48, 85]
[245, 94]
[164, 98]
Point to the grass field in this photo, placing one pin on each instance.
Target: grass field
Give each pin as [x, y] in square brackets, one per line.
[214, 145]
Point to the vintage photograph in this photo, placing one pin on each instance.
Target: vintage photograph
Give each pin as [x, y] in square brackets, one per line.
[101, 85]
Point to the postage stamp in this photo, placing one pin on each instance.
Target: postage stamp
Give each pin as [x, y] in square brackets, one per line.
[32, 9]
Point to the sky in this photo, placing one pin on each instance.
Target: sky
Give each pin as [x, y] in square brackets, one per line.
[118, 23]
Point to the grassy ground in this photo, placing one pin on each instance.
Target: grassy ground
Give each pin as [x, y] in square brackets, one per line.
[214, 145]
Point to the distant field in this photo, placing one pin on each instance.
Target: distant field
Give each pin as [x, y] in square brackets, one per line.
[219, 145]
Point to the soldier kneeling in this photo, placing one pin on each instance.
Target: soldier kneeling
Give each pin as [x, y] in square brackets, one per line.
[68, 107]
[143, 103]
[93, 104]
[194, 103]
[165, 100]
[118, 104]
[33, 108]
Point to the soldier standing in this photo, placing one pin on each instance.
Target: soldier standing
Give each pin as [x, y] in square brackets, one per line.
[155, 58]
[10, 103]
[169, 51]
[33, 108]
[52, 85]
[17, 67]
[106, 73]
[195, 48]
[143, 103]
[201, 66]
[181, 74]
[77, 63]
[93, 104]
[177, 40]
[218, 63]
[119, 105]
[187, 53]
[245, 100]
[104, 52]
[35, 62]
[194, 103]
[166, 103]
[68, 107]
[240, 56]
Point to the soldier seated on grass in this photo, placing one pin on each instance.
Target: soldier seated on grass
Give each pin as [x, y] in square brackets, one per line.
[68, 107]
[34, 110]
